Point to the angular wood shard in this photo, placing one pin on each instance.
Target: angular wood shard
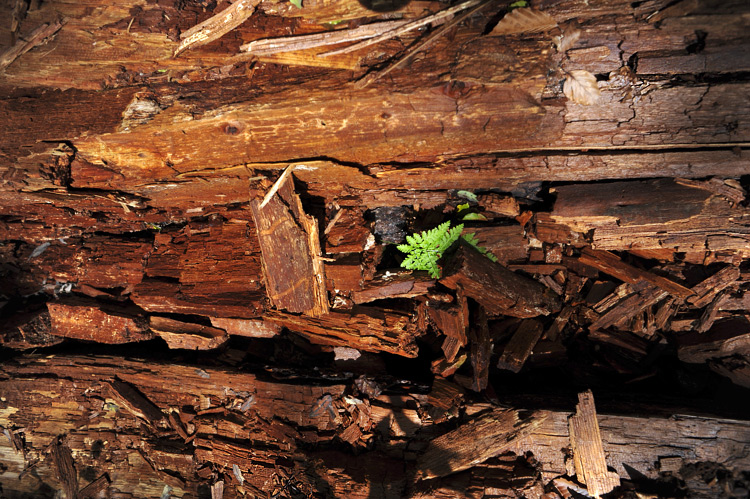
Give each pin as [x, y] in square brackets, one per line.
[290, 247]
[588, 452]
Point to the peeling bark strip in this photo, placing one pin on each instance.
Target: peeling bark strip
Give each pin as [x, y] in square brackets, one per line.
[588, 452]
[293, 271]
[472, 443]
[217, 26]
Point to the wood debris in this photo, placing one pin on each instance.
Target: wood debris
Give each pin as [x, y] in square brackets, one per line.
[217, 26]
[588, 451]
[487, 436]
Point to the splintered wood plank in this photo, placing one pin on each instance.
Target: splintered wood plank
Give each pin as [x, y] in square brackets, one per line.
[474, 442]
[520, 345]
[588, 451]
[497, 289]
[289, 242]
[364, 328]
[89, 320]
[611, 264]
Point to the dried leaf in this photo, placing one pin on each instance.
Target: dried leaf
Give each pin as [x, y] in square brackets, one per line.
[525, 20]
[580, 87]
[567, 39]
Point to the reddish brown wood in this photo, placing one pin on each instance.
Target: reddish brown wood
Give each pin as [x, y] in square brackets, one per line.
[499, 290]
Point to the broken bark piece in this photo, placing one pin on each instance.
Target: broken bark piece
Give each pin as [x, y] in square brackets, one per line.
[347, 232]
[135, 402]
[268, 46]
[367, 329]
[290, 246]
[246, 327]
[84, 319]
[706, 290]
[588, 451]
[611, 264]
[497, 289]
[452, 321]
[710, 313]
[629, 307]
[66, 471]
[499, 205]
[166, 297]
[187, 335]
[518, 349]
[390, 285]
[474, 442]
[217, 26]
[480, 350]
[652, 214]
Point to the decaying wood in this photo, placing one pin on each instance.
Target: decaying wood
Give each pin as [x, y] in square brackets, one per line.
[498, 290]
[290, 246]
[37, 37]
[588, 452]
[518, 349]
[363, 328]
[434, 19]
[132, 183]
[488, 436]
[216, 26]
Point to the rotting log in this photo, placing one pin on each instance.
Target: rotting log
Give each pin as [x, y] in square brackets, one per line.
[173, 424]
[129, 181]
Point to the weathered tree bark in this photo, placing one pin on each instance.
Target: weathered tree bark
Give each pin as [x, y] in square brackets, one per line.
[132, 181]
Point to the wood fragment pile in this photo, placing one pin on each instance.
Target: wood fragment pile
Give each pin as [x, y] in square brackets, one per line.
[200, 290]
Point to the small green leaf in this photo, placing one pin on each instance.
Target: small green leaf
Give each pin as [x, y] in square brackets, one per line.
[474, 216]
[467, 195]
[462, 207]
[518, 5]
[296, 3]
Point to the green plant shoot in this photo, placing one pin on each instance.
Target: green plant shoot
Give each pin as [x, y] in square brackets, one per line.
[425, 249]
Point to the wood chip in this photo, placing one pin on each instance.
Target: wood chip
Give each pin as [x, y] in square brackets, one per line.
[588, 451]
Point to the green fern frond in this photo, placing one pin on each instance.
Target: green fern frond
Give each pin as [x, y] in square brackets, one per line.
[426, 248]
